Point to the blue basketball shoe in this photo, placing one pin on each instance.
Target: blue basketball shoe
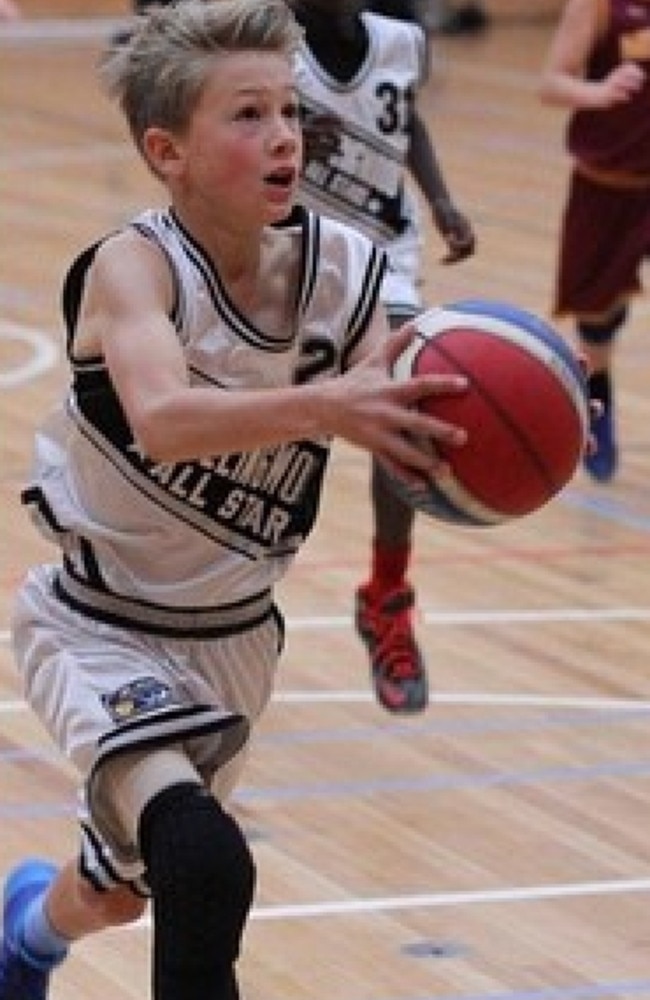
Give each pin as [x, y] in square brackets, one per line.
[602, 464]
[23, 976]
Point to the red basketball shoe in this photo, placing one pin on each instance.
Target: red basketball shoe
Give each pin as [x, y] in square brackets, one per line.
[398, 671]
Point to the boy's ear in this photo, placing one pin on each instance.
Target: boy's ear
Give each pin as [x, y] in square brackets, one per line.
[161, 151]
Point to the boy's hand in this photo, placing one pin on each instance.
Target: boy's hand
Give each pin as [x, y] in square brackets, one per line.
[456, 230]
[371, 409]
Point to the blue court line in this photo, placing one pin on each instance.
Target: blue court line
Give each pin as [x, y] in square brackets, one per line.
[431, 783]
[38, 810]
[18, 754]
[586, 991]
[444, 782]
[548, 720]
[608, 508]
[584, 719]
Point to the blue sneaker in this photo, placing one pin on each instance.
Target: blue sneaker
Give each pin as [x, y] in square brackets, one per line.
[602, 464]
[23, 976]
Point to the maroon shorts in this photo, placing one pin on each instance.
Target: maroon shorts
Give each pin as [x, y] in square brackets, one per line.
[605, 237]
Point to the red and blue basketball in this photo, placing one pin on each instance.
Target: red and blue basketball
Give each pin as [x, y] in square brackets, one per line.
[526, 411]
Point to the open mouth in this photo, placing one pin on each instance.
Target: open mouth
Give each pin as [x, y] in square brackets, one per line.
[282, 178]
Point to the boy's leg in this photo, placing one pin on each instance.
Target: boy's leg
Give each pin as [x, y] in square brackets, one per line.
[199, 869]
[26, 965]
[44, 910]
[385, 603]
[597, 340]
[202, 879]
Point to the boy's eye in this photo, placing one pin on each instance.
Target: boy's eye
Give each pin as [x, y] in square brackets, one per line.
[292, 111]
[248, 113]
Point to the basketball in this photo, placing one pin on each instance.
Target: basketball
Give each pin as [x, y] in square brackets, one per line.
[525, 412]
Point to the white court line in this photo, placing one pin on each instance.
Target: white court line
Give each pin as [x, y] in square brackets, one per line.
[489, 617]
[525, 616]
[55, 156]
[65, 29]
[11, 707]
[51, 31]
[462, 898]
[467, 698]
[472, 897]
[43, 354]
[466, 618]
[439, 899]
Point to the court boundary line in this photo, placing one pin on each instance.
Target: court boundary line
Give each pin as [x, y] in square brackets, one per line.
[467, 699]
[44, 356]
[478, 617]
[450, 619]
[433, 900]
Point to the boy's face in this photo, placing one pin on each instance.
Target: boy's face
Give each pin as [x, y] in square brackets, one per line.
[241, 154]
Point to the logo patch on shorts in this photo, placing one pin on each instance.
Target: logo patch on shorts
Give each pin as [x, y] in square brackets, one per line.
[146, 694]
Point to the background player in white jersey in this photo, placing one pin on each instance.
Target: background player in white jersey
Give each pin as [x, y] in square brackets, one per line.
[179, 477]
[358, 74]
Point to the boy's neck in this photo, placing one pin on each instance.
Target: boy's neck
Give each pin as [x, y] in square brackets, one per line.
[338, 39]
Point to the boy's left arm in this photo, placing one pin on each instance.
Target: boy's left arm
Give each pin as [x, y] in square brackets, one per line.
[453, 226]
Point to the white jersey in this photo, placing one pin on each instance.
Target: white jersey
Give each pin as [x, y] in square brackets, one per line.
[363, 182]
[194, 547]
[159, 628]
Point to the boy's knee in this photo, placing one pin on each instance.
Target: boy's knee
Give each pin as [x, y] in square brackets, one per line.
[602, 331]
[200, 871]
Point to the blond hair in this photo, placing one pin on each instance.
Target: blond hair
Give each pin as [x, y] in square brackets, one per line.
[158, 72]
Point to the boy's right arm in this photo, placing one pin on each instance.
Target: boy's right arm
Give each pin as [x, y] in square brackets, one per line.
[453, 226]
[126, 313]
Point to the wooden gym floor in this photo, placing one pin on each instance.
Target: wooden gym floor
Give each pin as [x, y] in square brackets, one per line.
[497, 846]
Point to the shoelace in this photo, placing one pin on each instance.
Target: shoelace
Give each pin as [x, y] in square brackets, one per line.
[396, 651]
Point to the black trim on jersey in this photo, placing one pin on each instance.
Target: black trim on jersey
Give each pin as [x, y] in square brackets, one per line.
[156, 730]
[91, 844]
[281, 627]
[310, 223]
[97, 412]
[201, 719]
[401, 312]
[146, 732]
[91, 566]
[366, 303]
[111, 608]
[98, 415]
[73, 289]
[33, 496]
[72, 293]
[177, 311]
[221, 300]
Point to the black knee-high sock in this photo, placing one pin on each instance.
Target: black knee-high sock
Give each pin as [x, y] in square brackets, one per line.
[202, 880]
